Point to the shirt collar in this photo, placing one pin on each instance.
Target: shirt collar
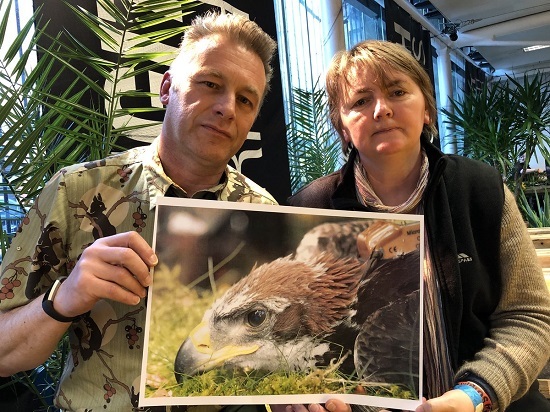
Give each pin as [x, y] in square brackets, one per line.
[158, 182]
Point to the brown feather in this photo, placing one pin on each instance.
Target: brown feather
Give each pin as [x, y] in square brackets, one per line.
[320, 292]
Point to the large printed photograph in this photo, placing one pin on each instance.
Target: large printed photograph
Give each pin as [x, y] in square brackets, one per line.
[257, 304]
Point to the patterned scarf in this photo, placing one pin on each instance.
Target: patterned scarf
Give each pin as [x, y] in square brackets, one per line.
[368, 197]
[437, 364]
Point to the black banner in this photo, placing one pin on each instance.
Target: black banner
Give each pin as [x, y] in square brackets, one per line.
[403, 29]
[263, 157]
[475, 77]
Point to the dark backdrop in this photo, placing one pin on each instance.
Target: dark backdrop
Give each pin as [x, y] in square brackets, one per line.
[403, 29]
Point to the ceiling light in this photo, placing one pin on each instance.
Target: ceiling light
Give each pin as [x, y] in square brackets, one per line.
[537, 47]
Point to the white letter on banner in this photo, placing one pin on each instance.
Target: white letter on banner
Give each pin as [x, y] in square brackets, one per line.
[247, 154]
[405, 35]
[419, 52]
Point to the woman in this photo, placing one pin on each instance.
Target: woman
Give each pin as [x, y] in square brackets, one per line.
[487, 327]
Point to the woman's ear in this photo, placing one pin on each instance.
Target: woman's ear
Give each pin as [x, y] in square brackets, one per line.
[165, 85]
[346, 136]
[426, 117]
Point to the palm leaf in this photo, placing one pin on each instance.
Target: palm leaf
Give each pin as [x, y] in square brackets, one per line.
[55, 130]
[537, 215]
[314, 148]
[42, 131]
[501, 121]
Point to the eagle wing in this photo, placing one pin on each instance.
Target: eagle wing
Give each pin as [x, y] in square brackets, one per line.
[385, 281]
[387, 347]
[388, 310]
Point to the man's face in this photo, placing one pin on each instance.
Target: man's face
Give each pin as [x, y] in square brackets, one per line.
[211, 103]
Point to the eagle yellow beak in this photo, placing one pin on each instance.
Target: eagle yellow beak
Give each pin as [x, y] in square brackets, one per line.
[200, 338]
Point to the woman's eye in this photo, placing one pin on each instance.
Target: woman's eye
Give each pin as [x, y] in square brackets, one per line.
[360, 102]
[256, 317]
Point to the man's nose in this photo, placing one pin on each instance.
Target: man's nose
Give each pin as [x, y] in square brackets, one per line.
[225, 106]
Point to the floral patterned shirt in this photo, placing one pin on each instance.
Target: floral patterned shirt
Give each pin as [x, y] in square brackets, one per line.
[80, 204]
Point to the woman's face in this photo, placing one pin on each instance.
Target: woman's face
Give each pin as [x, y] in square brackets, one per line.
[383, 118]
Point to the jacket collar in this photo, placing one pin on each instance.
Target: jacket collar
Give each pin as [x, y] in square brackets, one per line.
[345, 196]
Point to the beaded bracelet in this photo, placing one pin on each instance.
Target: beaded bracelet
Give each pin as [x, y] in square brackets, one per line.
[474, 396]
[484, 402]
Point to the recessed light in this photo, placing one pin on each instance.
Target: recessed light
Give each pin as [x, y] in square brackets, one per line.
[537, 47]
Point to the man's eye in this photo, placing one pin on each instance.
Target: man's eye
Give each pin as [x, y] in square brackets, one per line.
[245, 101]
[210, 84]
[360, 102]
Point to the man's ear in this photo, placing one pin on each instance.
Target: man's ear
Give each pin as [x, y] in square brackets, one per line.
[165, 85]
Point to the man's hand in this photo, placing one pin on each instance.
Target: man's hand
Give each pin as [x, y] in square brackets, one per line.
[115, 268]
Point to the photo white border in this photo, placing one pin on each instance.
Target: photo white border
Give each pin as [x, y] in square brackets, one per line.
[384, 402]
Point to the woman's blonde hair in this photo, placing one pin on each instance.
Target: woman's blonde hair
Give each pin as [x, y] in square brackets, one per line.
[378, 57]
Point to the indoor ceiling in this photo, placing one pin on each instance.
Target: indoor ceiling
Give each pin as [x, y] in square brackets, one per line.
[498, 30]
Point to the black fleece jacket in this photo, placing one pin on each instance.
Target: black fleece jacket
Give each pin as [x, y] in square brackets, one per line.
[463, 206]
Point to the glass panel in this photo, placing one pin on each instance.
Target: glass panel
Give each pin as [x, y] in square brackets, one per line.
[362, 21]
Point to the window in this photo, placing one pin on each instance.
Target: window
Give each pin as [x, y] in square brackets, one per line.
[362, 21]
[299, 32]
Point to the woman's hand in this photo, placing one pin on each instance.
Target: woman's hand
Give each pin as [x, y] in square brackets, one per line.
[332, 405]
[452, 401]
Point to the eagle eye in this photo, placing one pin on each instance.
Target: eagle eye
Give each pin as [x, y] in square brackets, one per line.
[256, 317]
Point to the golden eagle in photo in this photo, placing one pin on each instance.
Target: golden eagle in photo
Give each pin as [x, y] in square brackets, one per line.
[349, 294]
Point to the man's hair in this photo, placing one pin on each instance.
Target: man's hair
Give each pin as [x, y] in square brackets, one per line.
[233, 27]
[379, 57]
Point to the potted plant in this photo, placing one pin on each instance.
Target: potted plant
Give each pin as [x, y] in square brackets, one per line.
[503, 121]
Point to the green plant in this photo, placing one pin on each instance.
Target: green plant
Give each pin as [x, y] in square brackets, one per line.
[314, 149]
[537, 214]
[40, 131]
[482, 126]
[503, 120]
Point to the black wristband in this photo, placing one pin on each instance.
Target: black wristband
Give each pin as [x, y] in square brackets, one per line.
[47, 303]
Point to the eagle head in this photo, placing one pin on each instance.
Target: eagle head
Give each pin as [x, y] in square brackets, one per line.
[279, 317]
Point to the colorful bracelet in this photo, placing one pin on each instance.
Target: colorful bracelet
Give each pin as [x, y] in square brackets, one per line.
[484, 399]
[474, 396]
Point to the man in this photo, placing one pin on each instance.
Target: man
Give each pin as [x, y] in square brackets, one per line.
[93, 222]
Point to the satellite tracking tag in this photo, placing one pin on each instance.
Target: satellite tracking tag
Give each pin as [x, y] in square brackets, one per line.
[384, 240]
